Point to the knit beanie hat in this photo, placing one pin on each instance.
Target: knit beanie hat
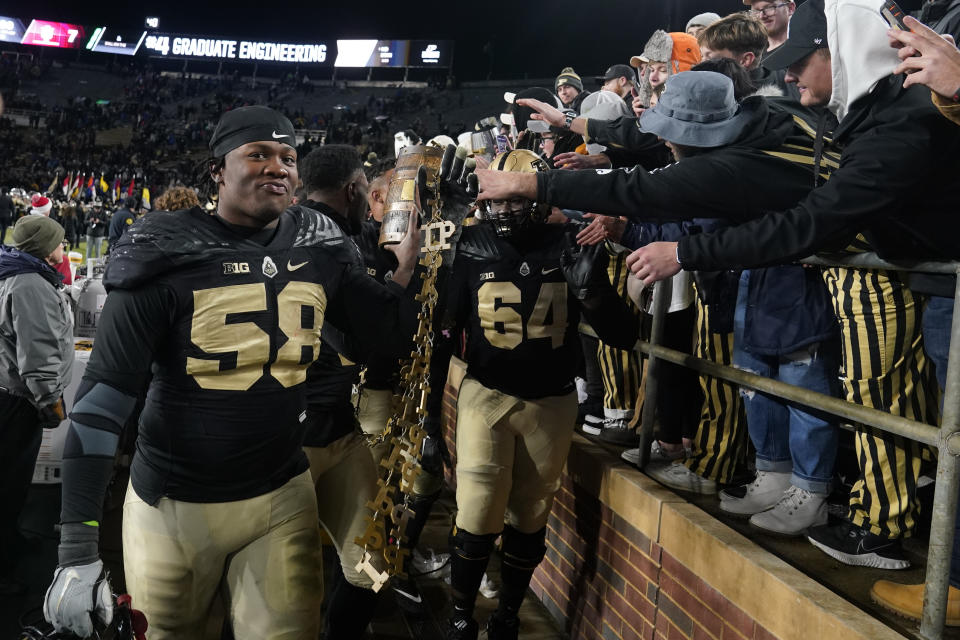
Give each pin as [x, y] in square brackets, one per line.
[40, 205]
[702, 20]
[570, 77]
[37, 235]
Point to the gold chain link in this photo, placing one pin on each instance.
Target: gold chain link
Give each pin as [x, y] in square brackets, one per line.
[405, 432]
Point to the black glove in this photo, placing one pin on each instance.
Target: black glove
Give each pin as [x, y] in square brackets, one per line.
[434, 455]
[585, 268]
[51, 415]
[456, 175]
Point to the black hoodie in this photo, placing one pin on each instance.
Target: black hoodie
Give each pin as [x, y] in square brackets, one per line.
[768, 168]
[896, 184]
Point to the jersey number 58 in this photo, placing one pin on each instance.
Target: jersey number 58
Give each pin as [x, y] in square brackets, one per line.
[212, 331]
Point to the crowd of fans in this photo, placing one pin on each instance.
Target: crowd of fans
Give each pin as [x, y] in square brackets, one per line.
[716, 159]
[154, 130]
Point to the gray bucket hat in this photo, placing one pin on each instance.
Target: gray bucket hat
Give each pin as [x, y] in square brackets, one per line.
[697, 109]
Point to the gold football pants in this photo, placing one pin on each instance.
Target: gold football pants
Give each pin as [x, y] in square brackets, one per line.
[510, 454]
[373, 411]
[345, 479]
[263, 553]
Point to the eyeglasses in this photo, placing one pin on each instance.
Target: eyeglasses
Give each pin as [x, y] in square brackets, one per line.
[766, 12]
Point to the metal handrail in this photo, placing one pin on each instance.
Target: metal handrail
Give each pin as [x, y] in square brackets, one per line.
[946, 438]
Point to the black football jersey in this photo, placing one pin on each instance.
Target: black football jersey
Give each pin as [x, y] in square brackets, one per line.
[330, 379]
[379, 263]
[382, 370]
[521, 321]
[236, 323]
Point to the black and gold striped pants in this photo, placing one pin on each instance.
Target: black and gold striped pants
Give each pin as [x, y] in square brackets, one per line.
[619, 368]
[884, 367]
[721, 440]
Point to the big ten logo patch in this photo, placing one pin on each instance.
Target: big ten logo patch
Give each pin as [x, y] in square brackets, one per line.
[235, 267]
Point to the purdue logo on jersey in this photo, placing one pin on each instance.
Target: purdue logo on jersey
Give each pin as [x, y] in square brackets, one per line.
[524, 269]
[235, 267]
[269, 267]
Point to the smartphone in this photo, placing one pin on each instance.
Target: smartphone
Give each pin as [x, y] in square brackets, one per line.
[502, 143]
[894, 15]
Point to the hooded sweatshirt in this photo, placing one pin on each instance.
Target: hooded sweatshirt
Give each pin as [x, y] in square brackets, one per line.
[861, 56]
[897, 178]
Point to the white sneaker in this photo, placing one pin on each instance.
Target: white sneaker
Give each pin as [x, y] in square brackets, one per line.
[592, 424]
[761, 494]
[677, 476]
[796, 511]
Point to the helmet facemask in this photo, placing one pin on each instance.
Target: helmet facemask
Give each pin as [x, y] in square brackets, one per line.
[510, 217]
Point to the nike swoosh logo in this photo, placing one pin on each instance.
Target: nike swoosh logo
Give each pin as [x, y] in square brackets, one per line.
[72, 576]
[409, 596]
[548, 271]
[280, 135]
[294, 267]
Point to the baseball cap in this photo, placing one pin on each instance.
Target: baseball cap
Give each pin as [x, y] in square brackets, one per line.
[806, 33]
[619, 70]
[255, 123]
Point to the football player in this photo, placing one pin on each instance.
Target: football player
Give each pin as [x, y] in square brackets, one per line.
[518, 289]
[226, 311]
[380, 379]
[336, 185]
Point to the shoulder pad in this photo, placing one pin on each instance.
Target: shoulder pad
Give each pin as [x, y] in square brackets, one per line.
[478, 242]
[160, 242]
[314, 229]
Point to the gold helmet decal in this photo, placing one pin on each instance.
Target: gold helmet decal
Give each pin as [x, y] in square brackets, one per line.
[518, 161]
[511, 216]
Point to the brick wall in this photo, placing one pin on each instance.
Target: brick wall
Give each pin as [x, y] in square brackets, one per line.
[603, 578]
[627, 558]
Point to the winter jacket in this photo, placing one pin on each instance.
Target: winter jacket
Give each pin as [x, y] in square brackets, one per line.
[788, 308]
[119, 223]
[897, 177]
[763, 77]
[36, 329]
[626, 144]
[769, 167]
[71, 227]
[96, 225]
[943, 16]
